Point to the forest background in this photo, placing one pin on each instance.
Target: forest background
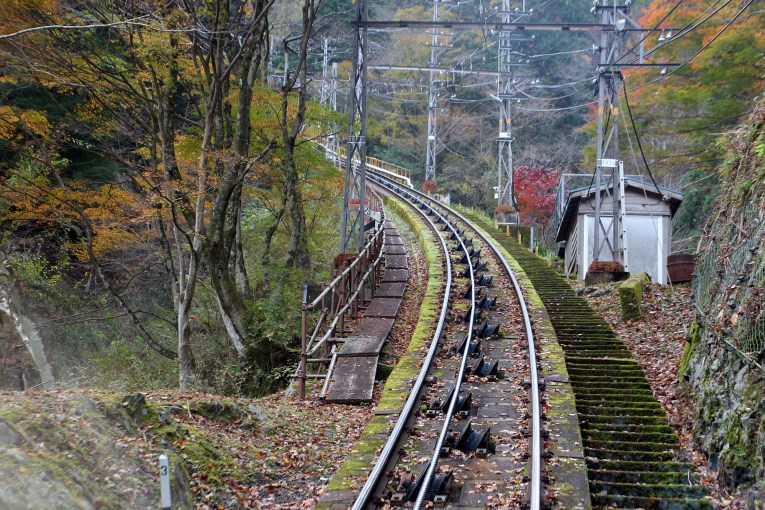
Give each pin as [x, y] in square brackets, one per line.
[162, 201]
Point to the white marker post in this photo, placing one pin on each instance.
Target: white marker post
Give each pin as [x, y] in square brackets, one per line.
[164, 482]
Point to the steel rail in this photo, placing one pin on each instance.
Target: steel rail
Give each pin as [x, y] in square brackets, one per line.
[391, 444]
[393, 440]
[535, 470]
[430, 473]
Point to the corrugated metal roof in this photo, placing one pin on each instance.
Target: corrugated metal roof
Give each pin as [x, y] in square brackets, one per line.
[675, 198]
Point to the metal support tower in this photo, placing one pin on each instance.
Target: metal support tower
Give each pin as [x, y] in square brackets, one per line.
[325, 74]
[354, 191]
[505, 89]
[333, 88]
[430, 154]
[610, 240]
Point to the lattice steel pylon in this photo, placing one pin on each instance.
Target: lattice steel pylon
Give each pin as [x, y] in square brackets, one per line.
[430, 153]
[609, 241]
[507, 207]
[324, 97]
[354, 190]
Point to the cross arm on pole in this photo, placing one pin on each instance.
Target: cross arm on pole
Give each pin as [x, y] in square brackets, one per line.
[499, 26]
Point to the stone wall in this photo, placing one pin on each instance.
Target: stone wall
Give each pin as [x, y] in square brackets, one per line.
[729, 401]
[723, 368]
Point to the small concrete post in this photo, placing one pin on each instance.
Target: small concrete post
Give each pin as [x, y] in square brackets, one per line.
[164, 483]
[303, 348]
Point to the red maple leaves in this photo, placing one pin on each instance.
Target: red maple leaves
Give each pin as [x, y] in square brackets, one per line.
[535, 188]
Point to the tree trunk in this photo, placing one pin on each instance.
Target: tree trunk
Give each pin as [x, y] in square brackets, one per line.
[297, 251]
[10, 305]
[242, 278]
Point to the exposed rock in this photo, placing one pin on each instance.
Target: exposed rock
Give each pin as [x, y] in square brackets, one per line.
[726, 386]
[8, 435]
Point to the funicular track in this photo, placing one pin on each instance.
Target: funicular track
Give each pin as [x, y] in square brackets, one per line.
[468, 406]
[631, 451]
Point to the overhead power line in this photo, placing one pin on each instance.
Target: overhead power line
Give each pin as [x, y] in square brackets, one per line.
[705, 46]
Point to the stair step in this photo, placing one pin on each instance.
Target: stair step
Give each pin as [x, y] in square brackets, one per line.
[645, 428]
[647, 477]
[597, 393]
[587, 420]
[604, 465]
[650, 503]
[603, 384]
[619, 411]
[620, 402]
[647, 490]
[634, 456]
[631, 437]
[627, 446]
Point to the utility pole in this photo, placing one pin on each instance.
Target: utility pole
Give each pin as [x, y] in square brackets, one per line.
[333, 89]
[324, 97]
[609, 86]
[430, 154]
[507, 212]
[354, 191]
[507, 208]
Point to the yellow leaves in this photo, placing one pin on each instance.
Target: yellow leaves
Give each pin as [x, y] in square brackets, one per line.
[105, 241]
[15, 123]
[117, 217]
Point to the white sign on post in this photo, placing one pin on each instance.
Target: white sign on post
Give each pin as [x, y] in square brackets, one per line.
[164, 482]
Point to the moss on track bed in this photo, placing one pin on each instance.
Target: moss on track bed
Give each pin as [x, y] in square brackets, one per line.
[623, 474]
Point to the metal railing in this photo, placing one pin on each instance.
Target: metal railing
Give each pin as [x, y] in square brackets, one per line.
[402, 175]
[355, 277]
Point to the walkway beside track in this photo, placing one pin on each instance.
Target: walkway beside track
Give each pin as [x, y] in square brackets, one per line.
[631, 451]
[353, 377]
[344, 486]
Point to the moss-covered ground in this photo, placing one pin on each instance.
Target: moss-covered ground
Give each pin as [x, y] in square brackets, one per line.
[88, 449]
[398, 384]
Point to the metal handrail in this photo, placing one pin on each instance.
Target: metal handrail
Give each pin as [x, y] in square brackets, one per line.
[348, 303]
[339, 277]
[307, 347]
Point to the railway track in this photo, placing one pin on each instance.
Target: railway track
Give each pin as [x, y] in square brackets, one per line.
[631, 451]
[460, 437]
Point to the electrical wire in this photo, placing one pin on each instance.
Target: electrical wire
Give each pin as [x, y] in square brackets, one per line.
[555, 109]
[578, 91]
[705, 46]
[570, 84]
[545, 55]
[637, 138]
[643, 39]
[686, 30]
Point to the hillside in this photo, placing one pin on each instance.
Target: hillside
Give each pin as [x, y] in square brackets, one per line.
[89, 449]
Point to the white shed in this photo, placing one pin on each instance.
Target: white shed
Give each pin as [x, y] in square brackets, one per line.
[648, 224]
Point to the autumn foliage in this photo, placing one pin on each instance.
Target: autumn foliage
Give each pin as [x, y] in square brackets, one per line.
[535, 187]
